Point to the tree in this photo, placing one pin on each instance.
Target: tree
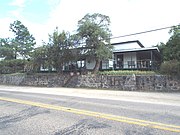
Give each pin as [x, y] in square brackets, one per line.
[171, 53]
[171, 50]
[59, 49]
[39, 58]
[94, 30]
[6, 49]
[23, 42]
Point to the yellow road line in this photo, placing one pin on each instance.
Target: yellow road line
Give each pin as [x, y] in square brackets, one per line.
[167, 127]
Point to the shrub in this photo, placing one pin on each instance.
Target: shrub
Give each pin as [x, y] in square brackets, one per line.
[171, 67]
[12, 66]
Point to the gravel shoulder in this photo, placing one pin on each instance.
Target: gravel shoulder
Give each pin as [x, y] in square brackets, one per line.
[143, 97]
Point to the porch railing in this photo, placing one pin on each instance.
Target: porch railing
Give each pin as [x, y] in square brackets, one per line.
[139, 64]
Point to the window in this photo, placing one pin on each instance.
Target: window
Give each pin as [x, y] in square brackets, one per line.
[131, 64]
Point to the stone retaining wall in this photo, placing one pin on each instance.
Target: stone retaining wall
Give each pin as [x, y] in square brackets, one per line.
[129, 82]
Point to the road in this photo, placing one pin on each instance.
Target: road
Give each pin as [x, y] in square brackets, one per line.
[66, 111]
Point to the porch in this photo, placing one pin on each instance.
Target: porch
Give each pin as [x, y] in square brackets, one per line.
[135, 59]
[137, 65]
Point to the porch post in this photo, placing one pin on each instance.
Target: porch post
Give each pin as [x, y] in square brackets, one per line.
[113, 60]
[131, 61]
[151, 60]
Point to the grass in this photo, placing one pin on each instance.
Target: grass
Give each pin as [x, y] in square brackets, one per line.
[127, 72]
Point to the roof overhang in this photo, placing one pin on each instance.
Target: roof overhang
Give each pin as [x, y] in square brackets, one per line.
[136, 50]
[128, 42]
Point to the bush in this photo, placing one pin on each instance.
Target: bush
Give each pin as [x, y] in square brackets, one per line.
[171, 67]
[12, 66]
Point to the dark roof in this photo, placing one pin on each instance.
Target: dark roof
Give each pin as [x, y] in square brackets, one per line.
[134, 41]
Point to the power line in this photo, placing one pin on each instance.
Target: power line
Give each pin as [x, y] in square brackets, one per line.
[138, 33]
[143, 32]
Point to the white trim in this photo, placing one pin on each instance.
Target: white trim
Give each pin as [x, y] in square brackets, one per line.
[136, 49]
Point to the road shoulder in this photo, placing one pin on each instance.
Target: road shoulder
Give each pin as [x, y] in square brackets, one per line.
[131, 96]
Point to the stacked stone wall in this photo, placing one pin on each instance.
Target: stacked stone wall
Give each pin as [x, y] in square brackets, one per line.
[128, 82]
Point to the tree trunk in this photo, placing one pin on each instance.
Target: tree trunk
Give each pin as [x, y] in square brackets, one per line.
[59, 69]
[15, 55]
[97, 65]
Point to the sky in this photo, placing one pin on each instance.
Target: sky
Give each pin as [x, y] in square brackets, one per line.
[41, 17]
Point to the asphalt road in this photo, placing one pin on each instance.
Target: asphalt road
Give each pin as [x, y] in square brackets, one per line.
[24, 112]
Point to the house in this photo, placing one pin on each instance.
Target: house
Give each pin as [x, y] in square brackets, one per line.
[133, 55]
[130, 55]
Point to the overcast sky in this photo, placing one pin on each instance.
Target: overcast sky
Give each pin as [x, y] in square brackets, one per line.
[127, 17]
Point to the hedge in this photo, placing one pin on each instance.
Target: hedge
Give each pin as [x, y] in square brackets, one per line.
[171, 67]
[12, 66]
